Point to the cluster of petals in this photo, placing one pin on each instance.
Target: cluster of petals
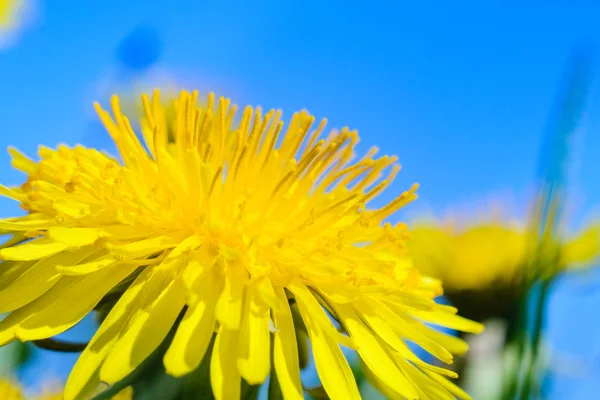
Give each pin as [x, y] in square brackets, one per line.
[237, 233]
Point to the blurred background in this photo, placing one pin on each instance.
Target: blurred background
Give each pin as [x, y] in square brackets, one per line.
[460, 92]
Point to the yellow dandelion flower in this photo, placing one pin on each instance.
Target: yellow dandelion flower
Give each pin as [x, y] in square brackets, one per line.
[491, 259]
[8, 10]
[470, 259]
[231, 225]
[13, 14]
[582, 249]
[9, 390]
[54, 394]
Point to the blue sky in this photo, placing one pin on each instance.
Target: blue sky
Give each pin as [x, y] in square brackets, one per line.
[460, 92]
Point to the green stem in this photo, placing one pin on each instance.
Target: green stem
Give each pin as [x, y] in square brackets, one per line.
[530, 384]
[517, 336]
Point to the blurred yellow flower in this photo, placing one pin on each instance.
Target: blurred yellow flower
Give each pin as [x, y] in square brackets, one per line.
[9, 390]
[228, 224]
[125, 394]
[485, 254]
[581, 250]
[8, 11]
[473, 258]
[13, 15]
[491, 256]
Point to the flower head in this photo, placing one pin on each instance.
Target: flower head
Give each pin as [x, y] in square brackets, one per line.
[474, 258]
[9, 390]
[58, 394]
[233, 225]
[14, 14]
[8, 9]
[485, 263]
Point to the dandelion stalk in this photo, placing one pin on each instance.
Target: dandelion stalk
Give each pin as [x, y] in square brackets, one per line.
[563, 124]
